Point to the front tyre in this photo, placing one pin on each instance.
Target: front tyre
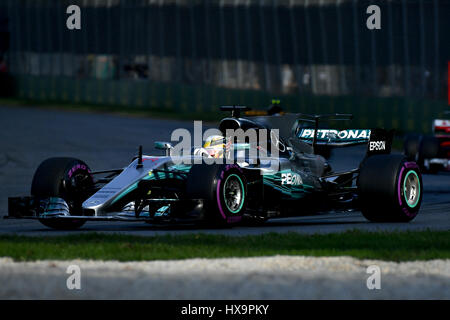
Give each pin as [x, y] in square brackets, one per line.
[390, 188]
[66, 178]
[223, 189]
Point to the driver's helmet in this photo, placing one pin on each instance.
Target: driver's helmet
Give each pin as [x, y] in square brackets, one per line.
[215, 146]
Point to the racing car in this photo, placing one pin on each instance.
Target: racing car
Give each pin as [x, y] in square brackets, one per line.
[431, 152]
[286, 178]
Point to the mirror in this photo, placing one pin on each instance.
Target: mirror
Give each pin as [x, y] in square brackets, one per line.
[167, 146]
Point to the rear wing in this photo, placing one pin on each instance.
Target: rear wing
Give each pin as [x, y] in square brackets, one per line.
[335, 138]
[379, 141]
[441, 126]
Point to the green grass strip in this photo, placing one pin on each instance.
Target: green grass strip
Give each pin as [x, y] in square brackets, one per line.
[392, 246]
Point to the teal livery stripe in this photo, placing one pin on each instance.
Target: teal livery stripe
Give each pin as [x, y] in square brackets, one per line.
[155, 175]
[294, 191]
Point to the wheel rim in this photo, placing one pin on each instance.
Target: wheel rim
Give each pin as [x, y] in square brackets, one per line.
[411, 188]
[233, 193]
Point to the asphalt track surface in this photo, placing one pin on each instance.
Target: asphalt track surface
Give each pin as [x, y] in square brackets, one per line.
[30, 135]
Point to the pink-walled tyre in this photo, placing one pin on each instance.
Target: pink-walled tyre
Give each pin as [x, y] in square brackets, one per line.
[390, 188]
[66, 178]
[224, 190]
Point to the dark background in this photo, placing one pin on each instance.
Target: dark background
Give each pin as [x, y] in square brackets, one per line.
[192, 56]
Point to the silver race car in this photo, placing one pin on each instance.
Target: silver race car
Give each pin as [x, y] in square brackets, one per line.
[293, 181]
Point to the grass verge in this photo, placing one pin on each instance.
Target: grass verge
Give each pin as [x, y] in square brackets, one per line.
[393, 246]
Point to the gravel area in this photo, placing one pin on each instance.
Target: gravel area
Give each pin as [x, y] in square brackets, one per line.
[278, 277]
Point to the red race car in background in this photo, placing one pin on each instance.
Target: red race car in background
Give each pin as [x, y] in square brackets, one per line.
[432, 153]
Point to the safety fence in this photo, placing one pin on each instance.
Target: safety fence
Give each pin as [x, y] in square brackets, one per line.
[193, 55]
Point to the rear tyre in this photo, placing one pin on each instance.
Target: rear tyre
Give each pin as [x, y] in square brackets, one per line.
[66, 178]
[224, 190]
[390, 188]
